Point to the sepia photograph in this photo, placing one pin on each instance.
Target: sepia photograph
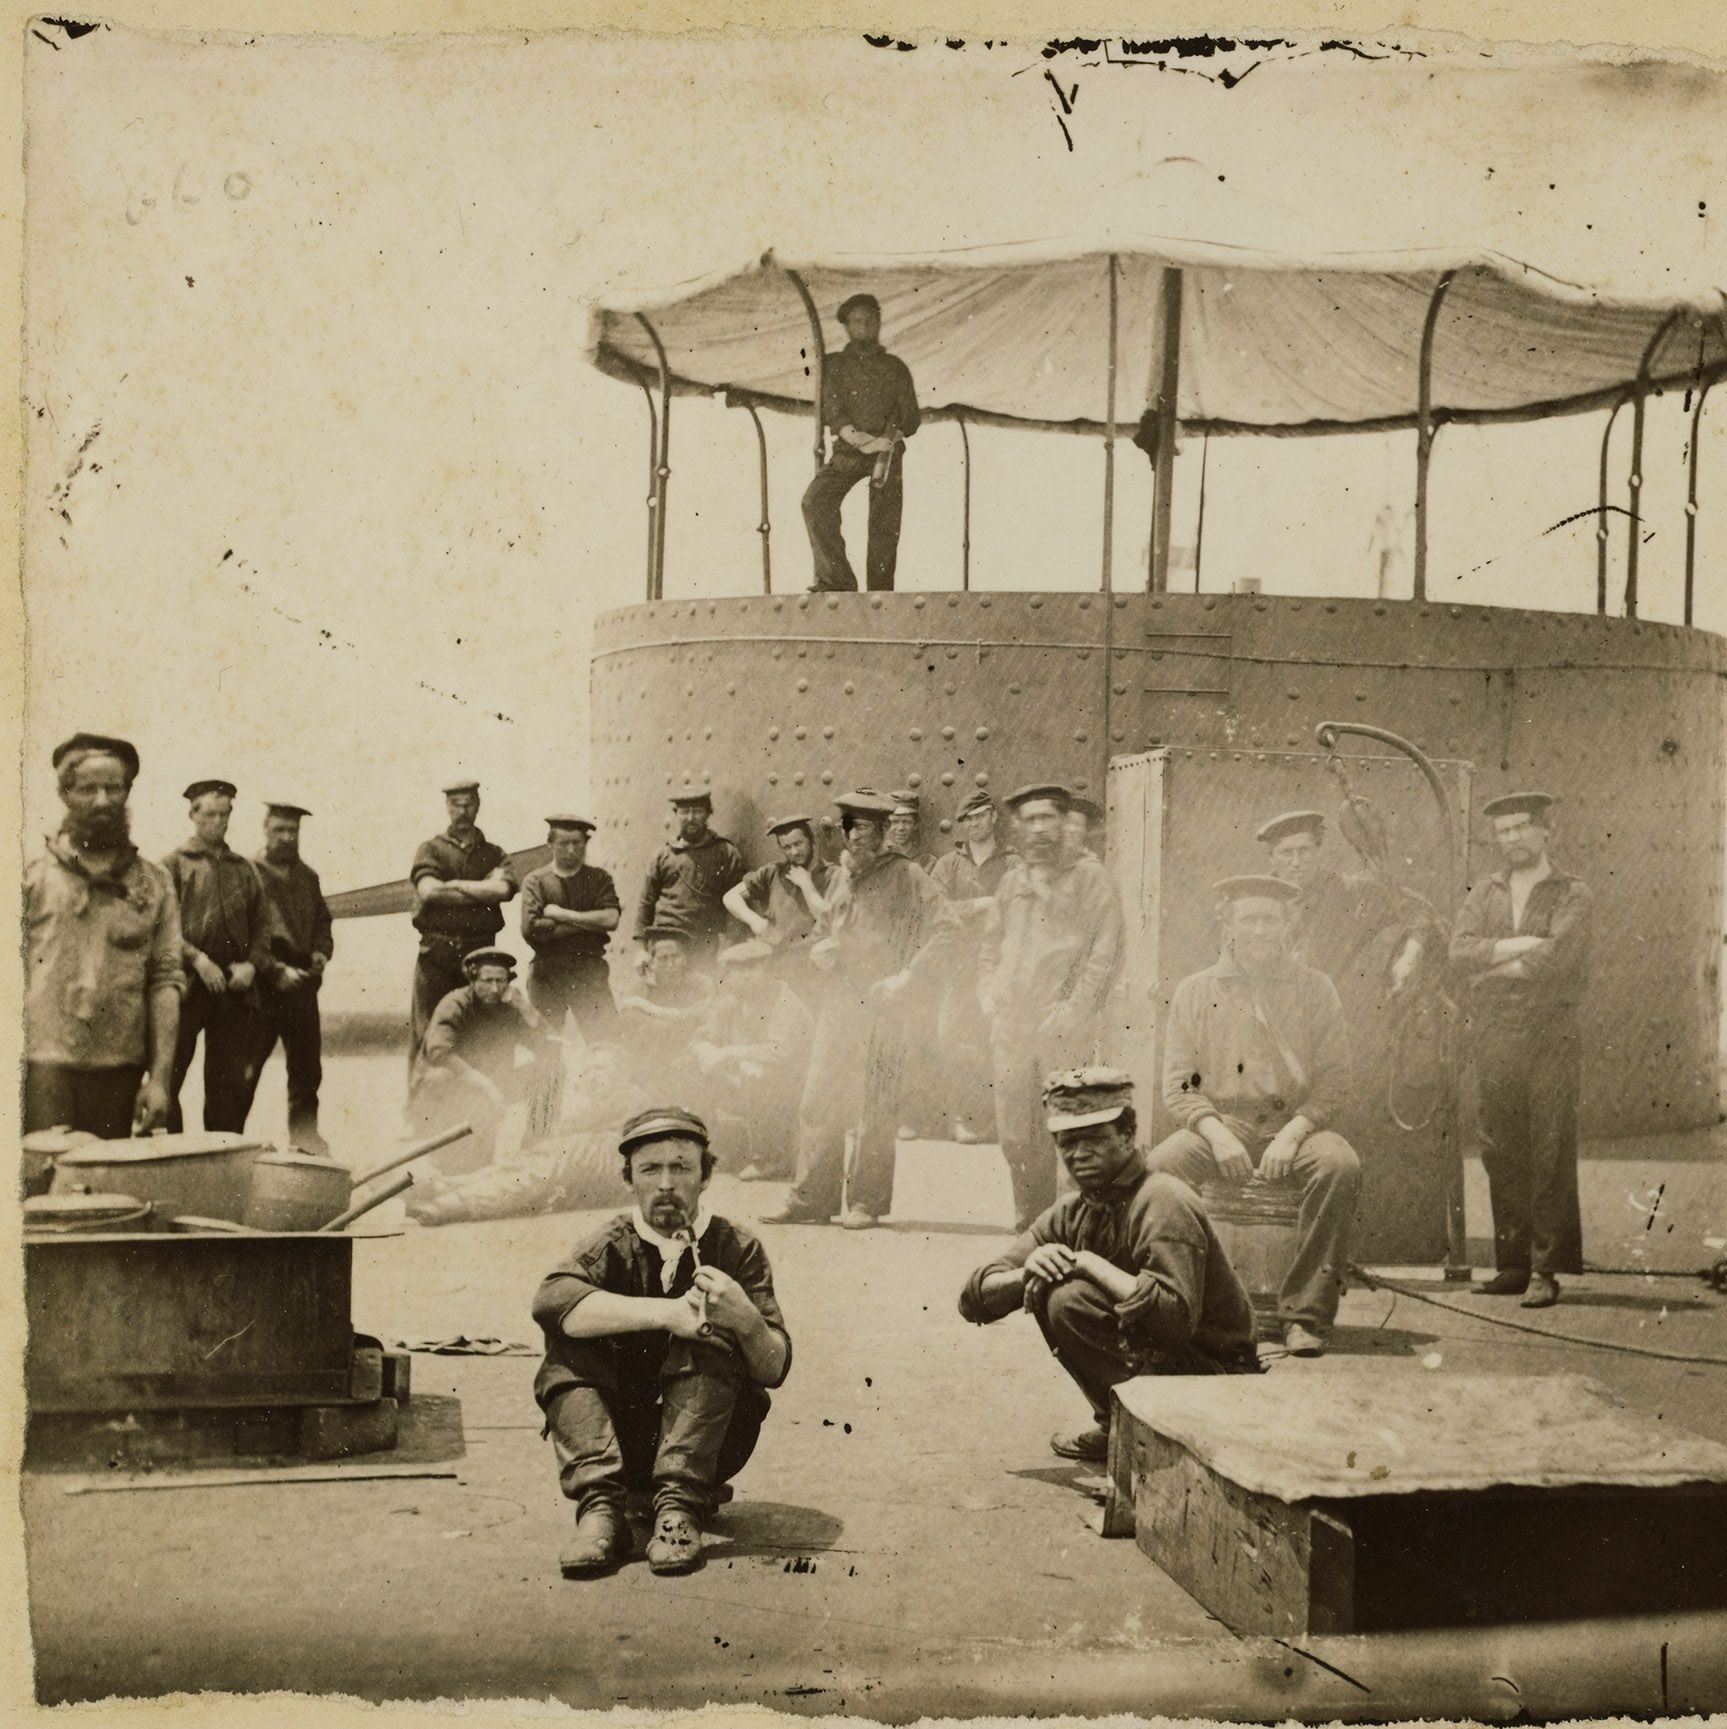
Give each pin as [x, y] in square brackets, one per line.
[878, 874]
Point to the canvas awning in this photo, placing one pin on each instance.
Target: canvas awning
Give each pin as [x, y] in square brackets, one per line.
[1270, 343]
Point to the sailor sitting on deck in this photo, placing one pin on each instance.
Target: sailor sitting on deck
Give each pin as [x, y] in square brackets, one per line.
[1125, 1276]
[662, 1337]
[466, 1068]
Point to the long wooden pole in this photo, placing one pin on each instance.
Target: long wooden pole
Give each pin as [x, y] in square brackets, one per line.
[1168, 427]
[1109, 436]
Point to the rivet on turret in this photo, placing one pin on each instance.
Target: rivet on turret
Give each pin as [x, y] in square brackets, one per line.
[916, 734]
[849, 687]
[827, 732]
[803, 684]
[982, 733]
[947, 732]
[914, 780]
[947, 780]
[981, 779]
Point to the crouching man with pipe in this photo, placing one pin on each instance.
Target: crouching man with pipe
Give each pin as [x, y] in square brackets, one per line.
[662, 1337]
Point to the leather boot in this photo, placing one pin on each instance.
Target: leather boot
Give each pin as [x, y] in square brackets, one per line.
[602, 1539]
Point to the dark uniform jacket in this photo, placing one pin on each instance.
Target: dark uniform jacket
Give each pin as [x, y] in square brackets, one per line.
[296, 897]
[868, 390]
[223, 910]
[621, 1261]
[1152, 1226]
[1560, 907]
[589, 890]
[486, 1036]
[473, 924]
[888, 915]
[686, 886]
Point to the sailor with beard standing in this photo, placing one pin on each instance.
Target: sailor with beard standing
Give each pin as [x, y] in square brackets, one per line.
[102, 958]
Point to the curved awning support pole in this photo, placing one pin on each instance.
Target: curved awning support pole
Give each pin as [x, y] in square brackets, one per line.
[765, 527]
[1425, 429]
[1168, 428]
[1639, 397]
[965, 520]
[662, 462]
[1691, 499]
[821, 357]
[1601, 509]
[653, 463]
[1109, 435]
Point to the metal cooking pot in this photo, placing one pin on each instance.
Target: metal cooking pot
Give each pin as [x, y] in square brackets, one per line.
[62, 1215]
[303, 1192]
[207, 1172]
[295, 1192]
[41, 1148]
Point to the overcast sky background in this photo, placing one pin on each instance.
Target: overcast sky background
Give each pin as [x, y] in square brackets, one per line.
[341, 496]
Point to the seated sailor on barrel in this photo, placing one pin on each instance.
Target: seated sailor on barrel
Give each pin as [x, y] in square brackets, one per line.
[662, 1337]
[1125, 1275]
[1255, 1068]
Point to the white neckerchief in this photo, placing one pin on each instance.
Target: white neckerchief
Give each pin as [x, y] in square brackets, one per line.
[671, 1248]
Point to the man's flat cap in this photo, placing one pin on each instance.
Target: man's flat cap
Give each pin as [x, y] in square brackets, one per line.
[1078, 1098]
[98, 744]
[454, 786]
[199, 787]
[1052, 790]
[1088, 808]
[665, 934]
[783, 824]
[474, 959]
[974, 802]
[662, 1123]
[907, 798]
[1255, 888]
[1520, 804]
[693, 795]
[276, 807]
[746, 954]
[858, 303]
[1290, 822]
[564, 820]
[864, 802]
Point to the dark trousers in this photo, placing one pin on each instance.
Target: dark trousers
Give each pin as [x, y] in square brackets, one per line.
[857, 1067]
[1022, 1059]
[1080, 1328]
[291, 1019]
[962, 1041]
[822, 500]
[581, 986]
[1330, 1176]
[229, 1025]
[98, 1101]
[437, 972]
[1528, 1091]
[681, 1435]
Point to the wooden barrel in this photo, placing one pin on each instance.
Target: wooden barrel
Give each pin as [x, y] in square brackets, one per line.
[1257, 1225]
